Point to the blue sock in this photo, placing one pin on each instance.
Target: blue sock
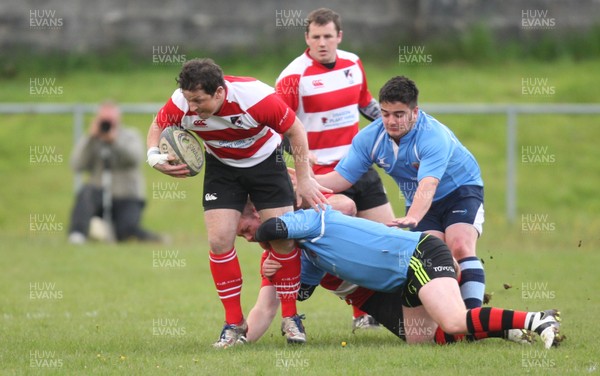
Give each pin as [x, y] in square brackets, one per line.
[472, 281]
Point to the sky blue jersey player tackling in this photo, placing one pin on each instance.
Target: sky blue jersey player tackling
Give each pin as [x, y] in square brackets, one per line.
[385, 259]
[439, 178]
[378, 258]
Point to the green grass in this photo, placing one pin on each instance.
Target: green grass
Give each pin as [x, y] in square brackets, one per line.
[102, 321]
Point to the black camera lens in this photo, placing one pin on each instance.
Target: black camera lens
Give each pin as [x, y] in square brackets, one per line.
[105, 126]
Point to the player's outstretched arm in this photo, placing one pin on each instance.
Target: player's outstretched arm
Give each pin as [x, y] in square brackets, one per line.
[421, 203]
[334, 181]
[262, 314]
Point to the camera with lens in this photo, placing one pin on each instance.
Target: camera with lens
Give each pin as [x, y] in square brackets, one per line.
[105, 126]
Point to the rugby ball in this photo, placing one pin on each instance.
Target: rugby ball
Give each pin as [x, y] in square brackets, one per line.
[184, 146]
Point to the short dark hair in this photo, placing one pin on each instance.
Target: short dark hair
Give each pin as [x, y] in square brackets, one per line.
[400, 89]
[323, 16]
[202, 74]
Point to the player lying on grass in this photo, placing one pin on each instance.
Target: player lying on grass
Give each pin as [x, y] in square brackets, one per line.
[386, 308]
[389, 260]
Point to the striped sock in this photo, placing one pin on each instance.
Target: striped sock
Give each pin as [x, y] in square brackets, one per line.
[442, 338]
[472, 281]
[489, 319]
[227, 275]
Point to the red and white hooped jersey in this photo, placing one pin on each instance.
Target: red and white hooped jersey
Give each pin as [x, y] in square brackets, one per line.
[353, 294]
[247, 128]
[326, 101]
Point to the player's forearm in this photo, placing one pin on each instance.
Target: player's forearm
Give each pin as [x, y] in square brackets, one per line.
[153, 135]
[262, 314]
[423, 198]
[299, 149]
[334, 181]
[371, 111]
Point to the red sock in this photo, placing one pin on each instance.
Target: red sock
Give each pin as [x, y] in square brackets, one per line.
[287, 280]
[489, 319]
[356, 312]
[227, 275]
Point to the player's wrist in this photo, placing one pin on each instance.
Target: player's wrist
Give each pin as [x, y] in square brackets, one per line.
[155, 157]
[153, 150]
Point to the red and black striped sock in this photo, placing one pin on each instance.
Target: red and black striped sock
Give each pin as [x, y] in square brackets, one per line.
[490, 319]
[442, 338]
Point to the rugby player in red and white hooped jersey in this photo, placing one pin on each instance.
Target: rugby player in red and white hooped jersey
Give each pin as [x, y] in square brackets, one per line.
[327, 87]
[240, 120]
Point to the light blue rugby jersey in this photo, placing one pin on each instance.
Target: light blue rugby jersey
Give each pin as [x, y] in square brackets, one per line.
[359, 251]
[430, 149]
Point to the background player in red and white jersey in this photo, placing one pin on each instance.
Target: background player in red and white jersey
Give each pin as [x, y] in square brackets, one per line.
[327, 87]
[241, 121]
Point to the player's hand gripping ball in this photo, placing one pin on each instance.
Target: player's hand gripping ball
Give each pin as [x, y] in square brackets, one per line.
[184, 146]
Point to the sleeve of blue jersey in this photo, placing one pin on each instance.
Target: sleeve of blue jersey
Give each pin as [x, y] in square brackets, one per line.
[434, 152]
[302, 224]
[358, 160]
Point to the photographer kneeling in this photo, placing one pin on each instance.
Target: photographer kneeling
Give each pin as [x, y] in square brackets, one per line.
[113, 157]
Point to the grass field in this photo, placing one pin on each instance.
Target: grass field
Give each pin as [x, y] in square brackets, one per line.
[152, 309]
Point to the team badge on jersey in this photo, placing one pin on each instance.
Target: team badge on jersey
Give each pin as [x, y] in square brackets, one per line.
[348, 74]
[416, 165]
[235, 120]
